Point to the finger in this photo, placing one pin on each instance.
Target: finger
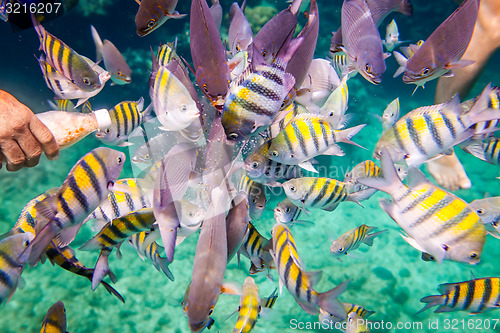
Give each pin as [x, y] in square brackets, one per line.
[14, 155]
[45, 138]
[31, 149]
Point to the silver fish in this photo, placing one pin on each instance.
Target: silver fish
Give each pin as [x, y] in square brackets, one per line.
[153, 13]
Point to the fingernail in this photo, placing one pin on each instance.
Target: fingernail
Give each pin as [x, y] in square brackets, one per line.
[54, 157]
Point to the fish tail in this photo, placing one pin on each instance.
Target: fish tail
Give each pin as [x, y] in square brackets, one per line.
[112, 291]
[102, 269]
[369, 238]
[328, 301]
[39, 245]
[346, 135]
[476, 149]
[162, 265]
[389, 180]
[402, 63]
[431, 301]
[289, 49]
[39, 30]
[97, 42]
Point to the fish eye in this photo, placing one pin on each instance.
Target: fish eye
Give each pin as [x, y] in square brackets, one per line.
[274, 153]
[233, 136]
[238, 48]
[26, 243]
[341, 249]
[480, 211]
[119, 160]
[473, 255]
[119, 73]
[183, 108]
[255, 165]
[425, 71]
[151, 23]
[107, 130]
[205, 88]
[260, 308]
[211, 310]
[292, 155]
[190, 214]
[264, 52]
[293, 188]
[287, 210]
[86, 81]
[368, 68]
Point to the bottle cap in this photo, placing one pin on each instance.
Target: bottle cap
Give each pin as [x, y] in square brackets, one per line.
[103, 119]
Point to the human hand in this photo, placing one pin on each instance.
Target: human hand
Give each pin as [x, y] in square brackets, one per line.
[22, 136]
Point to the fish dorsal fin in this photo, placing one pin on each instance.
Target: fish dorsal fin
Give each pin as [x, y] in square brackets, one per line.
[472, 276]
[416, 177]
[453, 105]
[446, 287]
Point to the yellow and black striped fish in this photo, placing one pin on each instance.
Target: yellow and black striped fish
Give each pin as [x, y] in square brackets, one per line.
[352, 239]
[474, 296]
[256, 248]
[14, 252]
[350, 308]
[299, 282]
[289, 113]
[430, 131]
[314, 192]
[120, 228]
[287, 212]
[151, 251]
[65, 258]
[166, 53]
[126, 117]
[55, 319]
[487, 150]
[120, 203]
[256, 194]
[268, 302]
[67, 62]
[437, 222]
[307, 136]
[263, 170]
[63, 105]
[86, 185]
[249, 308]
[255, 98]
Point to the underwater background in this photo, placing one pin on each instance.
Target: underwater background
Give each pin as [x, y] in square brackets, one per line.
[389, 278]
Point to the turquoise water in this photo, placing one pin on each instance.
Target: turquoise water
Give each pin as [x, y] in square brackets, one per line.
[388, 278]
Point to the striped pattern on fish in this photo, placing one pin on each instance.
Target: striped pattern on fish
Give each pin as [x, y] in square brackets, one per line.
[436, 221]
[166, 53]
[487, 150]
[254, 246]
[474, 296]
[299, 282]
[427, 132]
[307, 136]
[55, 319]
[256, 194]
[249, 308]
[286, 212]
[290, 112]
[120, 203]
[316, 192]
[152, 251]
[352, 239]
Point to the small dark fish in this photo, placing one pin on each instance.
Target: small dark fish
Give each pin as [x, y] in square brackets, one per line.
[237, 224]
[298, 66]
[444, 48]
[208, 53]
[114, 61]
[153, 13]
[240, 33]
[55, 319]
[362, 40]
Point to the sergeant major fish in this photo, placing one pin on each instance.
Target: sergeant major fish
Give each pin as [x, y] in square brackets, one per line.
[249, 308]
[86, 185]
[299, 282]
[487, 150]
[256, 97]
[474, 296]
[152, 252]
[114, 61]
[55, 319]
[66, 61]
[436, 222]
[352, 239]
[256, 248]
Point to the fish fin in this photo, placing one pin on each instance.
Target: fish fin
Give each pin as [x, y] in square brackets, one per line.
[329, 302]
[369, 238]
[102, 269]
[39, 244]
[459, 64]
[307, 165]
[314, 277]
[99, 224]
[138, 2]
[98, 43]
[229, 288]
[67, 235]
[345, 135]
[472, 276]
[448, 74]
[168, 229]
[289, 81]
[401, 59]
[386, 55]
[175, 15]
[431, 301]
[476, 149]
[112, 291]
[413, 243]
[118, 252]
[162, 265]
[446, 287]
[147, 114]
[81, 101]
[416, 177]
[93, 243]
[444, 308]
[389, 180]
[125, 144]
[334, 150]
